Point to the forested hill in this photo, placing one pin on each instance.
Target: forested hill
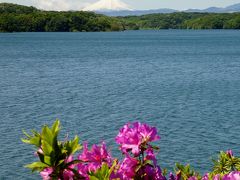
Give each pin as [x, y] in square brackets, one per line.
[17, 18]
[183, 20]
[17, 9]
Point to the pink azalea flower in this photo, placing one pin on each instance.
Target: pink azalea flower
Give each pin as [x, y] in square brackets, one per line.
[158, 174]
[205, 177]
[229, 153]
[151, 156]
[153, 173]
[116, 174]
[45, 174]
[68, 174]
[235, 175]
[171, 176]
[129, 139]
[127, 167]
[95, 157]
[83, 170]
[217, 177]
[39, 151]
[177, 177]
[69, 159]
[148, 133]
[132, 136]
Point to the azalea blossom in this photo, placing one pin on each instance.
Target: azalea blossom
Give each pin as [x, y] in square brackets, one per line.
[217, 177]
[68, 174]
[171, 176]
[132, 136]
[129, 139]
[229, 153]
[95, 157]
[205, 177]
[177, 177]
[139, 160]
[83, 170]
[151, 156]
[127, 167]
[45, 174]
[235, 175]
[154, 173]
[148, 133]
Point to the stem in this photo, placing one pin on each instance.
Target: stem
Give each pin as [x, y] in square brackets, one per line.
[142, 156]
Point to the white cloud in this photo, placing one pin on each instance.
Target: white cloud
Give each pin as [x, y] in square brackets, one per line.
[53, 4]
[60, 5]
[107, 5]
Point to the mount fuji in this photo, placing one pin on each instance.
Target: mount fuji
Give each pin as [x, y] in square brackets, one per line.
[107, 5]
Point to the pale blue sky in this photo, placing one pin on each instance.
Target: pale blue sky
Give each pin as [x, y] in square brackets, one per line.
[135, 4]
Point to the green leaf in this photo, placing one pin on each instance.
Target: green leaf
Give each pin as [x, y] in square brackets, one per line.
[26, 134]
[155, 147]
[47, 160]
[147, 162]
[102, 174]
[165, 172]
[41, 157]
[186, 171]
[47, 135]
[37, 166]
[93, 178]
[56, 127]
[25, 141]
[60, 162]
[54, 152]
[113, 166]
[74, 162]
[47, 148]
[34, 139]
[72, 146]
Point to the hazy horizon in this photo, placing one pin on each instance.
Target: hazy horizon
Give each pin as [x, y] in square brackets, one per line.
[134, 4]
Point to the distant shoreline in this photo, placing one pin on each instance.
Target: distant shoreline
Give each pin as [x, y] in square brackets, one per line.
[18, 18]
[189, 30]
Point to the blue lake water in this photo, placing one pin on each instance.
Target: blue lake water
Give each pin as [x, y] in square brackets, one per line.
[186, 83]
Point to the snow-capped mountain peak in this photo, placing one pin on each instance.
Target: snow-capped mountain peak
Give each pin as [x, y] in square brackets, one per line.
[107, 5]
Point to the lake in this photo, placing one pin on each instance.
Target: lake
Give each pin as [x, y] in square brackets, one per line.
[184, 82]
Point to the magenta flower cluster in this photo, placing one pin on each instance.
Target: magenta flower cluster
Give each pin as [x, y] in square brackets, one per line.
[139, 161]
[235, 175]
[93, 159]
[139, 156]
[67, 173]
[132, 137]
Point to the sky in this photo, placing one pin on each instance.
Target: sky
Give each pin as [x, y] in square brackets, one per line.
[134, 4]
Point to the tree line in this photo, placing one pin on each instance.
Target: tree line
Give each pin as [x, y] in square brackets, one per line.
[183, 20]
[18, 18]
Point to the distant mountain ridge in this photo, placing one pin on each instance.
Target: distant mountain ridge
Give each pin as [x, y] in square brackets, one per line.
[228, 9]
[136, 12]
